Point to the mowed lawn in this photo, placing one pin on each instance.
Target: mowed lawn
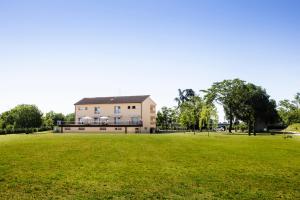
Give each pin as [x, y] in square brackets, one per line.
[174, 166]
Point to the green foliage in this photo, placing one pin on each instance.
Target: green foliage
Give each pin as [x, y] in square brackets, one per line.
[51, 118]
[184, 96]
[195, 112]
[27, 116]
[289, 111]
[255, 107]
[243, 101]
[186, 116]
[190, 112]
[293, 128]
[167, 118]
[70, 117]
[228, 93]
[242, 127]
[209, 117]
[7, 119]
[172, 166]
[21, 117]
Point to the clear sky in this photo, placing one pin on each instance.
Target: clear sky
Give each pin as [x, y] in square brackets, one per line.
[55, 52]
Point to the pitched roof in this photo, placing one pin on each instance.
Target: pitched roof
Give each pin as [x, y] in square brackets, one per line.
[112, 100]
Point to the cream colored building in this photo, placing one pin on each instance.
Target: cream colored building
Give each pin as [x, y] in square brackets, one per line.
[124, 114]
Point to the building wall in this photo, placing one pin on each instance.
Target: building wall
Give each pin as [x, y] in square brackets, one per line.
[145, 111]
[98, 130]
[149, 115]
[107, 110]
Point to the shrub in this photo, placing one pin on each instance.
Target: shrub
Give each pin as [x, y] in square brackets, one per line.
[294, 127]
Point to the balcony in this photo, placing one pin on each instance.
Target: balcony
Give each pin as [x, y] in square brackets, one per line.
[101, 124]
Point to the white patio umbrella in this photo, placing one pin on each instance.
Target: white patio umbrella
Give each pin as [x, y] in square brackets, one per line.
[104, 120]
[87, 120]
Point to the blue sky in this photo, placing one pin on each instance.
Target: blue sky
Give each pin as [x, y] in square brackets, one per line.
[53, 53]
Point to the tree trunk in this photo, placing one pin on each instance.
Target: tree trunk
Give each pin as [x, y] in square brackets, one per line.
[230, 121]
[249, 128]
[254, 130]
[230, 124]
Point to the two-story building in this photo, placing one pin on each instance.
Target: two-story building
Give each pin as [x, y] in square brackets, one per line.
[127, 114]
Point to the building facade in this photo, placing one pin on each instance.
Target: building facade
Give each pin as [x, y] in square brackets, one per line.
[124, 114]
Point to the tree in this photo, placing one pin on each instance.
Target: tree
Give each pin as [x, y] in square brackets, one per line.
[51, 118]
[209, 117]
[167, 118]
[27, 116]
[256, 106]
[47, 122]
[229, 94]
[7, 119]
[186, 116]
[184, 95]
[190, 112]
[70, 117]
[289, 111]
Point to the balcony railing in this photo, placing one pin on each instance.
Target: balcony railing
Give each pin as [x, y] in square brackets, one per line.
[97, 123]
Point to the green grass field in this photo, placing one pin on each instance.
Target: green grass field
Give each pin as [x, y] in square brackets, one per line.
[175, 166]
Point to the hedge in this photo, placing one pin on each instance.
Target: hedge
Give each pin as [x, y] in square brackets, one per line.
[23, 130]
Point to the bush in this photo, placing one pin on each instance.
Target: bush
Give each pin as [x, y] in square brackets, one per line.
[2, 132]
[12, 130]
[293, 127]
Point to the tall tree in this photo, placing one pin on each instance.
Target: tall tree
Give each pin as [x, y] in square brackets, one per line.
[7, 119]
[167, 118]
[256, 106]
[227, 93]
[289, 111]
[184, 95]
[70, 117]
[27, 116]
[190, 112]
[51, 118]
[209, 117]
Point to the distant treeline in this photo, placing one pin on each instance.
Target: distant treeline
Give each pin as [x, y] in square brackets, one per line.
[29, 119]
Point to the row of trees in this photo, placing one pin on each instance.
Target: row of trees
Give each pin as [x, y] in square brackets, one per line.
[241, 101]
[192, 112]
[27, 117]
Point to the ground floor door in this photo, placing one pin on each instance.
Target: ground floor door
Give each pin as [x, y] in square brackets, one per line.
[152, 130]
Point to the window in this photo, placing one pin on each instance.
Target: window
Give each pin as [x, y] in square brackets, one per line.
[134, 120]
[128, 107]
[152, 119]
[146, 128]
[133, 107]
[82, 108]
[102, 129]
[97, 110]
[67, 129]
[117, 120]
[152, 109]
[81, 128]
[118, 129]
[117, 109]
